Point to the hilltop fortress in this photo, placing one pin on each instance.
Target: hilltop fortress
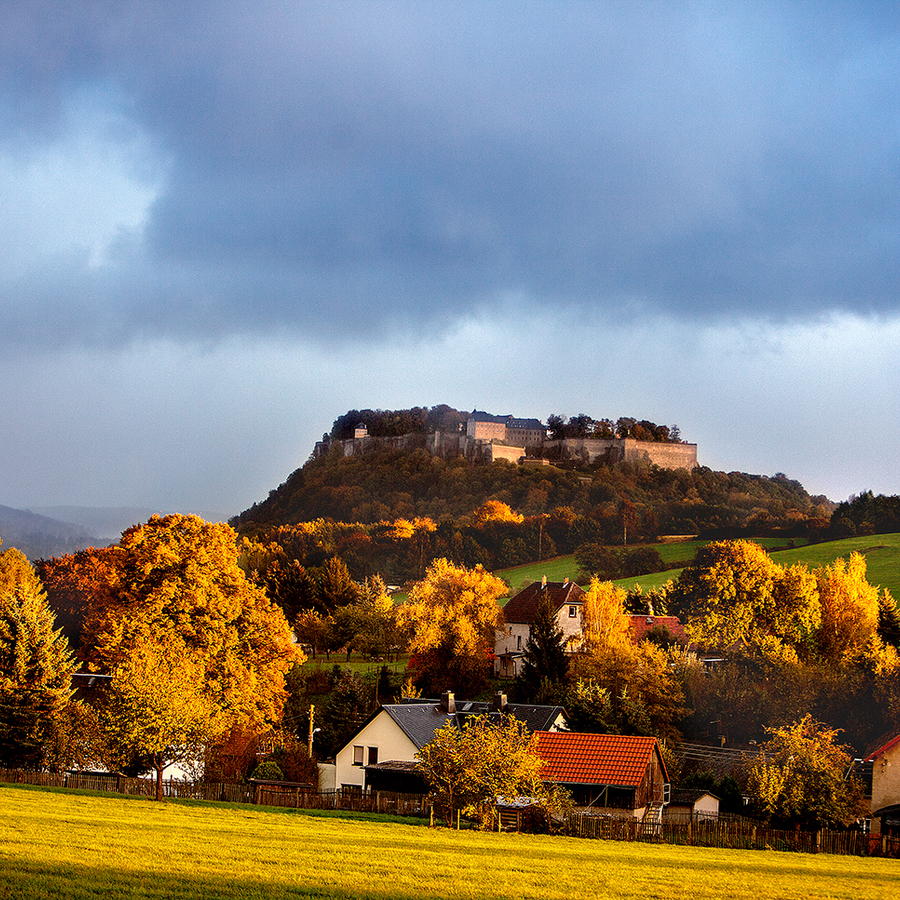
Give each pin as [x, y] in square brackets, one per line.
[485, 438]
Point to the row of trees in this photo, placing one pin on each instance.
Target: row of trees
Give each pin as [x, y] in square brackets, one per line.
[583, 426]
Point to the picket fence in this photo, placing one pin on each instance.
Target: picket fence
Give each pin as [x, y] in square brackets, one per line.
[733, 833]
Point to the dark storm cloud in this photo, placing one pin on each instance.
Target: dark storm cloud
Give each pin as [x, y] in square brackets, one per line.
[341, 167]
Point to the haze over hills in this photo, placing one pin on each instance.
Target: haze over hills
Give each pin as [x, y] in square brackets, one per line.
[40, 535]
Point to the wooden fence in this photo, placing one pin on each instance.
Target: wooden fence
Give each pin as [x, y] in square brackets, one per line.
[732, 834]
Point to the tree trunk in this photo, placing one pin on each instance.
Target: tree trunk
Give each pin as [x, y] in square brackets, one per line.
[159, 765]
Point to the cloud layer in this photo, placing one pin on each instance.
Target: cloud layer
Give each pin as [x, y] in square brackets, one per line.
[334, 168]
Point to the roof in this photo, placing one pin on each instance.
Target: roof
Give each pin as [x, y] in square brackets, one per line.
[640, 625]
[602, 759]
[419, 721]
[882, 745]
[689, 797]
[522, 609]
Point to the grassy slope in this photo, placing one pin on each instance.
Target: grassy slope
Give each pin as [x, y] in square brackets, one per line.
[66, 846]
[882, 552]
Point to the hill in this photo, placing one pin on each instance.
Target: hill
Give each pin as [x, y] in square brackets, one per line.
[386, 483]
[41, 536]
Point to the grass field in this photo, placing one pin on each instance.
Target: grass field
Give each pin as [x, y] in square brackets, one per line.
[54, 844]
[882, 552]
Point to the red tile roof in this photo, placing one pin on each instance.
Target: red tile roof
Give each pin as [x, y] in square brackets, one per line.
[610, 759]
[640, 625]
[523, 607]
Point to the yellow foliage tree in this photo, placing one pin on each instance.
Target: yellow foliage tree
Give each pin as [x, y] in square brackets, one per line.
[800, 777]
[450, 620]
[605, 627]
[180, 587]
[496, 511]
[156, 707]
[849, 609]
[484, 760]
[734, 594]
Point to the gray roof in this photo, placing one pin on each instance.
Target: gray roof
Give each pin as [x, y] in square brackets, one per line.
[419, 721]
[688, 797]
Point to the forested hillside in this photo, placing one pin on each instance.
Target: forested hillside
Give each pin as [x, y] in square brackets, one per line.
[386, 484]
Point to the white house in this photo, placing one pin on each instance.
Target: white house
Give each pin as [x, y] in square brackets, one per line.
[395, 734]
[509, 643]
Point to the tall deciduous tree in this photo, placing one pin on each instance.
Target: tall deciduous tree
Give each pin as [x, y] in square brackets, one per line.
[451, 617]
[735, 594]
[36, 664]
[179, 586]
[157, 707]
[604, 623]
[849, 609]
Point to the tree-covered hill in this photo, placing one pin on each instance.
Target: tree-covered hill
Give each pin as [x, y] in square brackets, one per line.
[625, 500]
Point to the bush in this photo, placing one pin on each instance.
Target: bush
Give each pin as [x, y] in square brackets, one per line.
[268, 771]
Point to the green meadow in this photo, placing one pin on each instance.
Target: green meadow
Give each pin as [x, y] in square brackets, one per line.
[63, 845]
[882, 552]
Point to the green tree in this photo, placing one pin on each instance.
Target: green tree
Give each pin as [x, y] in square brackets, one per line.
[36, 665]
[451, 618]
[800, 778]
[545, 664]
[471, 766]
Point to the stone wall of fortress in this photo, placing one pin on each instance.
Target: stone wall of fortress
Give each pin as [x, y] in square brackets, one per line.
[590, 450]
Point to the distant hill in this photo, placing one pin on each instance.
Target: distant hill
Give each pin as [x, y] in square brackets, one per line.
[40, 536]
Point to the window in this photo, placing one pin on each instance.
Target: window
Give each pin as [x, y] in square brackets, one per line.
[519, 642]
[573, 611]
[373, 755]
[357, 755]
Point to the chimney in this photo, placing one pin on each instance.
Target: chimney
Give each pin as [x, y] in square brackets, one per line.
[565, 581]
[500, 701]
[544, 582]
[448, 702]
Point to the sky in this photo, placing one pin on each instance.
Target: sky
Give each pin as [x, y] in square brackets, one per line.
[225, 224]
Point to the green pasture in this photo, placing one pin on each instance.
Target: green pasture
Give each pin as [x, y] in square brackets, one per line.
[54, 844]
[882, 553]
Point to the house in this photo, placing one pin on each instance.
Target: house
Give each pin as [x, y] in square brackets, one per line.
[482, 426]
[885, 759]
[619, 775]
[383, 751]
[691, 805]
[520, 612]
[640, 625]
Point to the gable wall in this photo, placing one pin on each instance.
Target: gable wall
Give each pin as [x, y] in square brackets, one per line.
[886, 778]
[382, 732]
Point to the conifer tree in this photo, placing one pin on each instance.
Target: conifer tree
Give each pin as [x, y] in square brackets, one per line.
[545, 662]
[35, 664]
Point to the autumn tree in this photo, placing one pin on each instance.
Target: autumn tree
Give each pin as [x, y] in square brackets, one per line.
[735, 594]
[800, 777]
[182, 602]
[485, 759]
[545, 663]
[604, 623]
[373, 619]
[36, 665]
[157, 707]
[450, 619]
[849, 609]
[496, 511]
